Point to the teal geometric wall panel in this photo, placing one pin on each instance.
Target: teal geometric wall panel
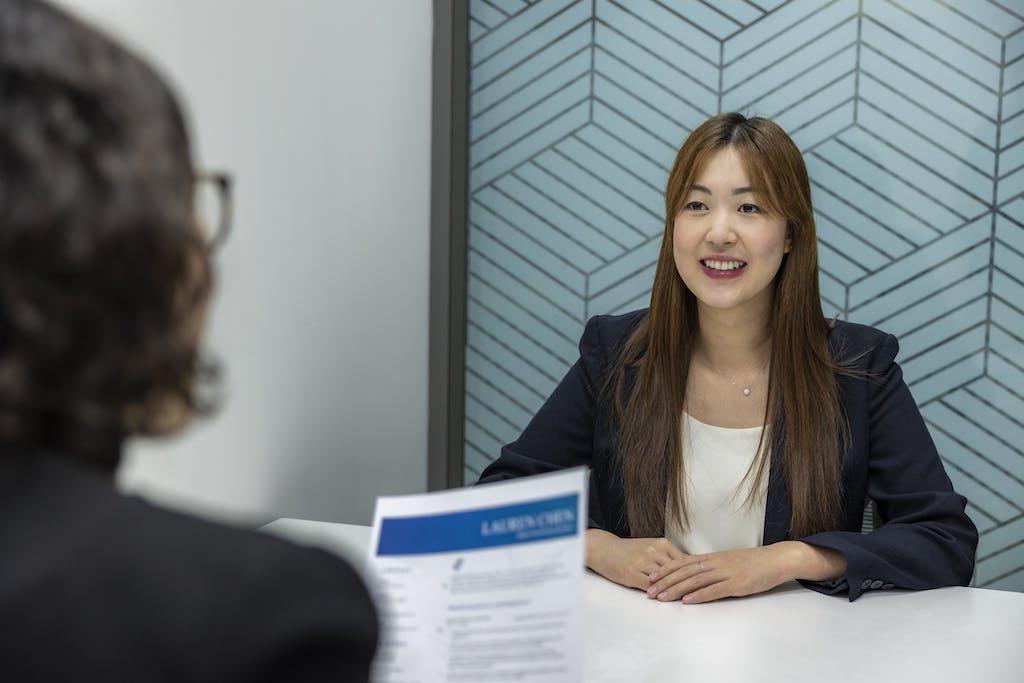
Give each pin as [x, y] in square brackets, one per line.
[910, 116]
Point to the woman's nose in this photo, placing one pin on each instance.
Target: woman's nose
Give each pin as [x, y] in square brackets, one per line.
[720, 229]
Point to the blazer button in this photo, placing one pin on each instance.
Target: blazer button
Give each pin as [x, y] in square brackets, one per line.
[876, 584]
[865, 584]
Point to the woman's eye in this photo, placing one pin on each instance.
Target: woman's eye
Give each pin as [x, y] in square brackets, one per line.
[749, 208]
[695, 206]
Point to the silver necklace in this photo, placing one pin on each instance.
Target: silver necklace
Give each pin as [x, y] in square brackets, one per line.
[744, 389]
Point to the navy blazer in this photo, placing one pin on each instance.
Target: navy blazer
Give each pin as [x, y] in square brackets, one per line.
[925, 541]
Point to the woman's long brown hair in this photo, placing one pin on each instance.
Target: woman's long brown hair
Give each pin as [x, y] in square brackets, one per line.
[805, 427]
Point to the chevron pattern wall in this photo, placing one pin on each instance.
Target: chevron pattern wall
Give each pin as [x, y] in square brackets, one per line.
[910, 114]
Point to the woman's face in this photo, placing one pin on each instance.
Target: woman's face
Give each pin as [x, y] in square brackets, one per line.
[727, 248]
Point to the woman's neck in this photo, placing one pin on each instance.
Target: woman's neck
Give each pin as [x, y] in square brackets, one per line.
[731, 343]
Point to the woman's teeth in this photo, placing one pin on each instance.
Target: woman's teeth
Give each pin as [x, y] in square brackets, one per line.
[723, 265]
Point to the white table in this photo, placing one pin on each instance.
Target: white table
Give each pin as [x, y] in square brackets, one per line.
[788, 634]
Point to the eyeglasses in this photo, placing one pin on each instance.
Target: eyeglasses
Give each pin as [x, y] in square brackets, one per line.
[211, 202]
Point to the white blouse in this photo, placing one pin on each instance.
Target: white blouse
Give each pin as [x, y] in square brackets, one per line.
[716, 462]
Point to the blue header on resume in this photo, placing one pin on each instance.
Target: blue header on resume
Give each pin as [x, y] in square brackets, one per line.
[483, 528]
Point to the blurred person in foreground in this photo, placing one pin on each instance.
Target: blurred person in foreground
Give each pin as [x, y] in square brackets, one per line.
[104, 279]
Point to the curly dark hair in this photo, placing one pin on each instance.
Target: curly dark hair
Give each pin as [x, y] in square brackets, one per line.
[103, 273]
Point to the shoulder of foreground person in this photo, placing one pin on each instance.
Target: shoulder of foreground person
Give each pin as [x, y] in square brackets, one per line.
[106, 586]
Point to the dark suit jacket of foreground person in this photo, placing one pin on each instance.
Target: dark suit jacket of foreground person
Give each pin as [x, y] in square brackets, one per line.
[927, 540]
[97, 586]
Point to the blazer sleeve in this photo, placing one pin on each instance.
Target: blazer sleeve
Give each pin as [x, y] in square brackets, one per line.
[561, 434]
[926, 539]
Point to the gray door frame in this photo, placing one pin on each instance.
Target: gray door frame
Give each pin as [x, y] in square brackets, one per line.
[448, 192]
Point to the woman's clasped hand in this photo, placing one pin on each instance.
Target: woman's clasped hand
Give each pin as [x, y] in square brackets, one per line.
[666, 573]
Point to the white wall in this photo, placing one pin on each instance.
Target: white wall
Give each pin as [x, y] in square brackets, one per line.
[321, 111]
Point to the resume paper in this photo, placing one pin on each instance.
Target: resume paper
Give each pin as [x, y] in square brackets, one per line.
[483, 583]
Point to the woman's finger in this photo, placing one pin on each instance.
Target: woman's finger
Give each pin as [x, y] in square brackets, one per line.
[709, 593]
[684, 587]
[672, 576]
[697, 562]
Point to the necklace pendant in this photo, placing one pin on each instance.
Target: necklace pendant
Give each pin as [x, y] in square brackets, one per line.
[746, 391]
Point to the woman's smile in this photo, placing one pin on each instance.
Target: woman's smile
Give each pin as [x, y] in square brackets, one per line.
[722, 268]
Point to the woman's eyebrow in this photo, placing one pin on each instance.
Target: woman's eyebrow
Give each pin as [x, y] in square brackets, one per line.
[739, 190]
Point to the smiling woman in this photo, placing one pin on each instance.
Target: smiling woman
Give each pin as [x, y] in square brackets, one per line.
[734, 433]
